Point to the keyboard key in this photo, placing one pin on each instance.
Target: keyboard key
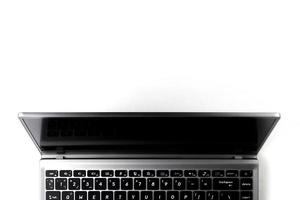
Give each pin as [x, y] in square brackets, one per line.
[113, 184]
[226, 184]
[87, 184]
[93, 195]
[204, 173]
[179, 183]
[246, 173]
[246, 195]
[166, 184]
[61, 184]
[199, 195]
[49, 184]
[152, 183]
[190, 173]
[120, 173]
[133, 195]
[176, 173]
[229, 195]
[107, 195]
[212, 195]
[218, 173]
[172, 195]
[120, 195]
[100, 184]
[159, 195]
[51, 173]
[186, 195]
[107, 173]
[93, 173]
[74, 184]
[126, 183]
[146, 195]
[67, 195]
[192, 183]
[80, 195]
[149, 173]
[232, 173]
[205, 183]
[135, 173]
[139, 183]
[246, 184]
[65, 173]
[162, 173]
[79, 173]
[51, 195]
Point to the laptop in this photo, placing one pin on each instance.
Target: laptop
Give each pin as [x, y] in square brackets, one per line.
[149, 156]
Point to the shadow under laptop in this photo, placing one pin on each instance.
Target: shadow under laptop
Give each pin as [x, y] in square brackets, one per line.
[263, 178]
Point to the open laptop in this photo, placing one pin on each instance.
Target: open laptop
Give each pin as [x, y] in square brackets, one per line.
[149, 156]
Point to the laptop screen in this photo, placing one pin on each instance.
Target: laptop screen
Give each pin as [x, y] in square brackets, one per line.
[166, 133]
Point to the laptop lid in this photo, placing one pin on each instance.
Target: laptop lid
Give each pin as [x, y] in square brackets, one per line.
[149, 133]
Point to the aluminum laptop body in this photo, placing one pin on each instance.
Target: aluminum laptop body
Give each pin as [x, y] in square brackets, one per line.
[149, 156]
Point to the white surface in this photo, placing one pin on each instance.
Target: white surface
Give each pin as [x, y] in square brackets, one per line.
[149, 56]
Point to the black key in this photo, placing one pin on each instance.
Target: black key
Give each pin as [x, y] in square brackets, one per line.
[162, 173]
[49, 184]
[192, 183]
[232, 173]
[74, 184]
[205, 183]
[106, 195]
[65, 173]
[135, 173]
[176, 173]
[51, 173]
[120, 195]
[159, 195]
[179, 183]
[93, 173]
[139, 183]
[186, 195]
[246, 184]
[149, 173]
[61, 184]
[80, 195]
[113, 184]
[229, 195]
[79, 173]
[67, 195]
[152, 183]
[246, 195]
[51, 195]
[146, 195]
[120, 173]
[199, 195]
[93, 195]
[212, 195]
[190, 173]
[218, 173]
[166, 184]
[107, 173]
[246, 173]
[133, 195]
[87, 183]
[126, 183]
[226, 183]
[100, 184]
[204, 173]
[172, 195]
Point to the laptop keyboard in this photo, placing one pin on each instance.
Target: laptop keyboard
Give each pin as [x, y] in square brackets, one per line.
[161, 184]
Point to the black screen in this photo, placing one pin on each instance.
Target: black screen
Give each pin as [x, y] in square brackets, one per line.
[181, 133]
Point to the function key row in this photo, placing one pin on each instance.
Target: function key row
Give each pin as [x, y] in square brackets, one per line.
[149, 173]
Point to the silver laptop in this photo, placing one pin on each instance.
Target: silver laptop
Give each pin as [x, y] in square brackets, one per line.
[149, 156]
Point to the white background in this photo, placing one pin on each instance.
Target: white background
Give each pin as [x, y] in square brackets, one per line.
[158, 55]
